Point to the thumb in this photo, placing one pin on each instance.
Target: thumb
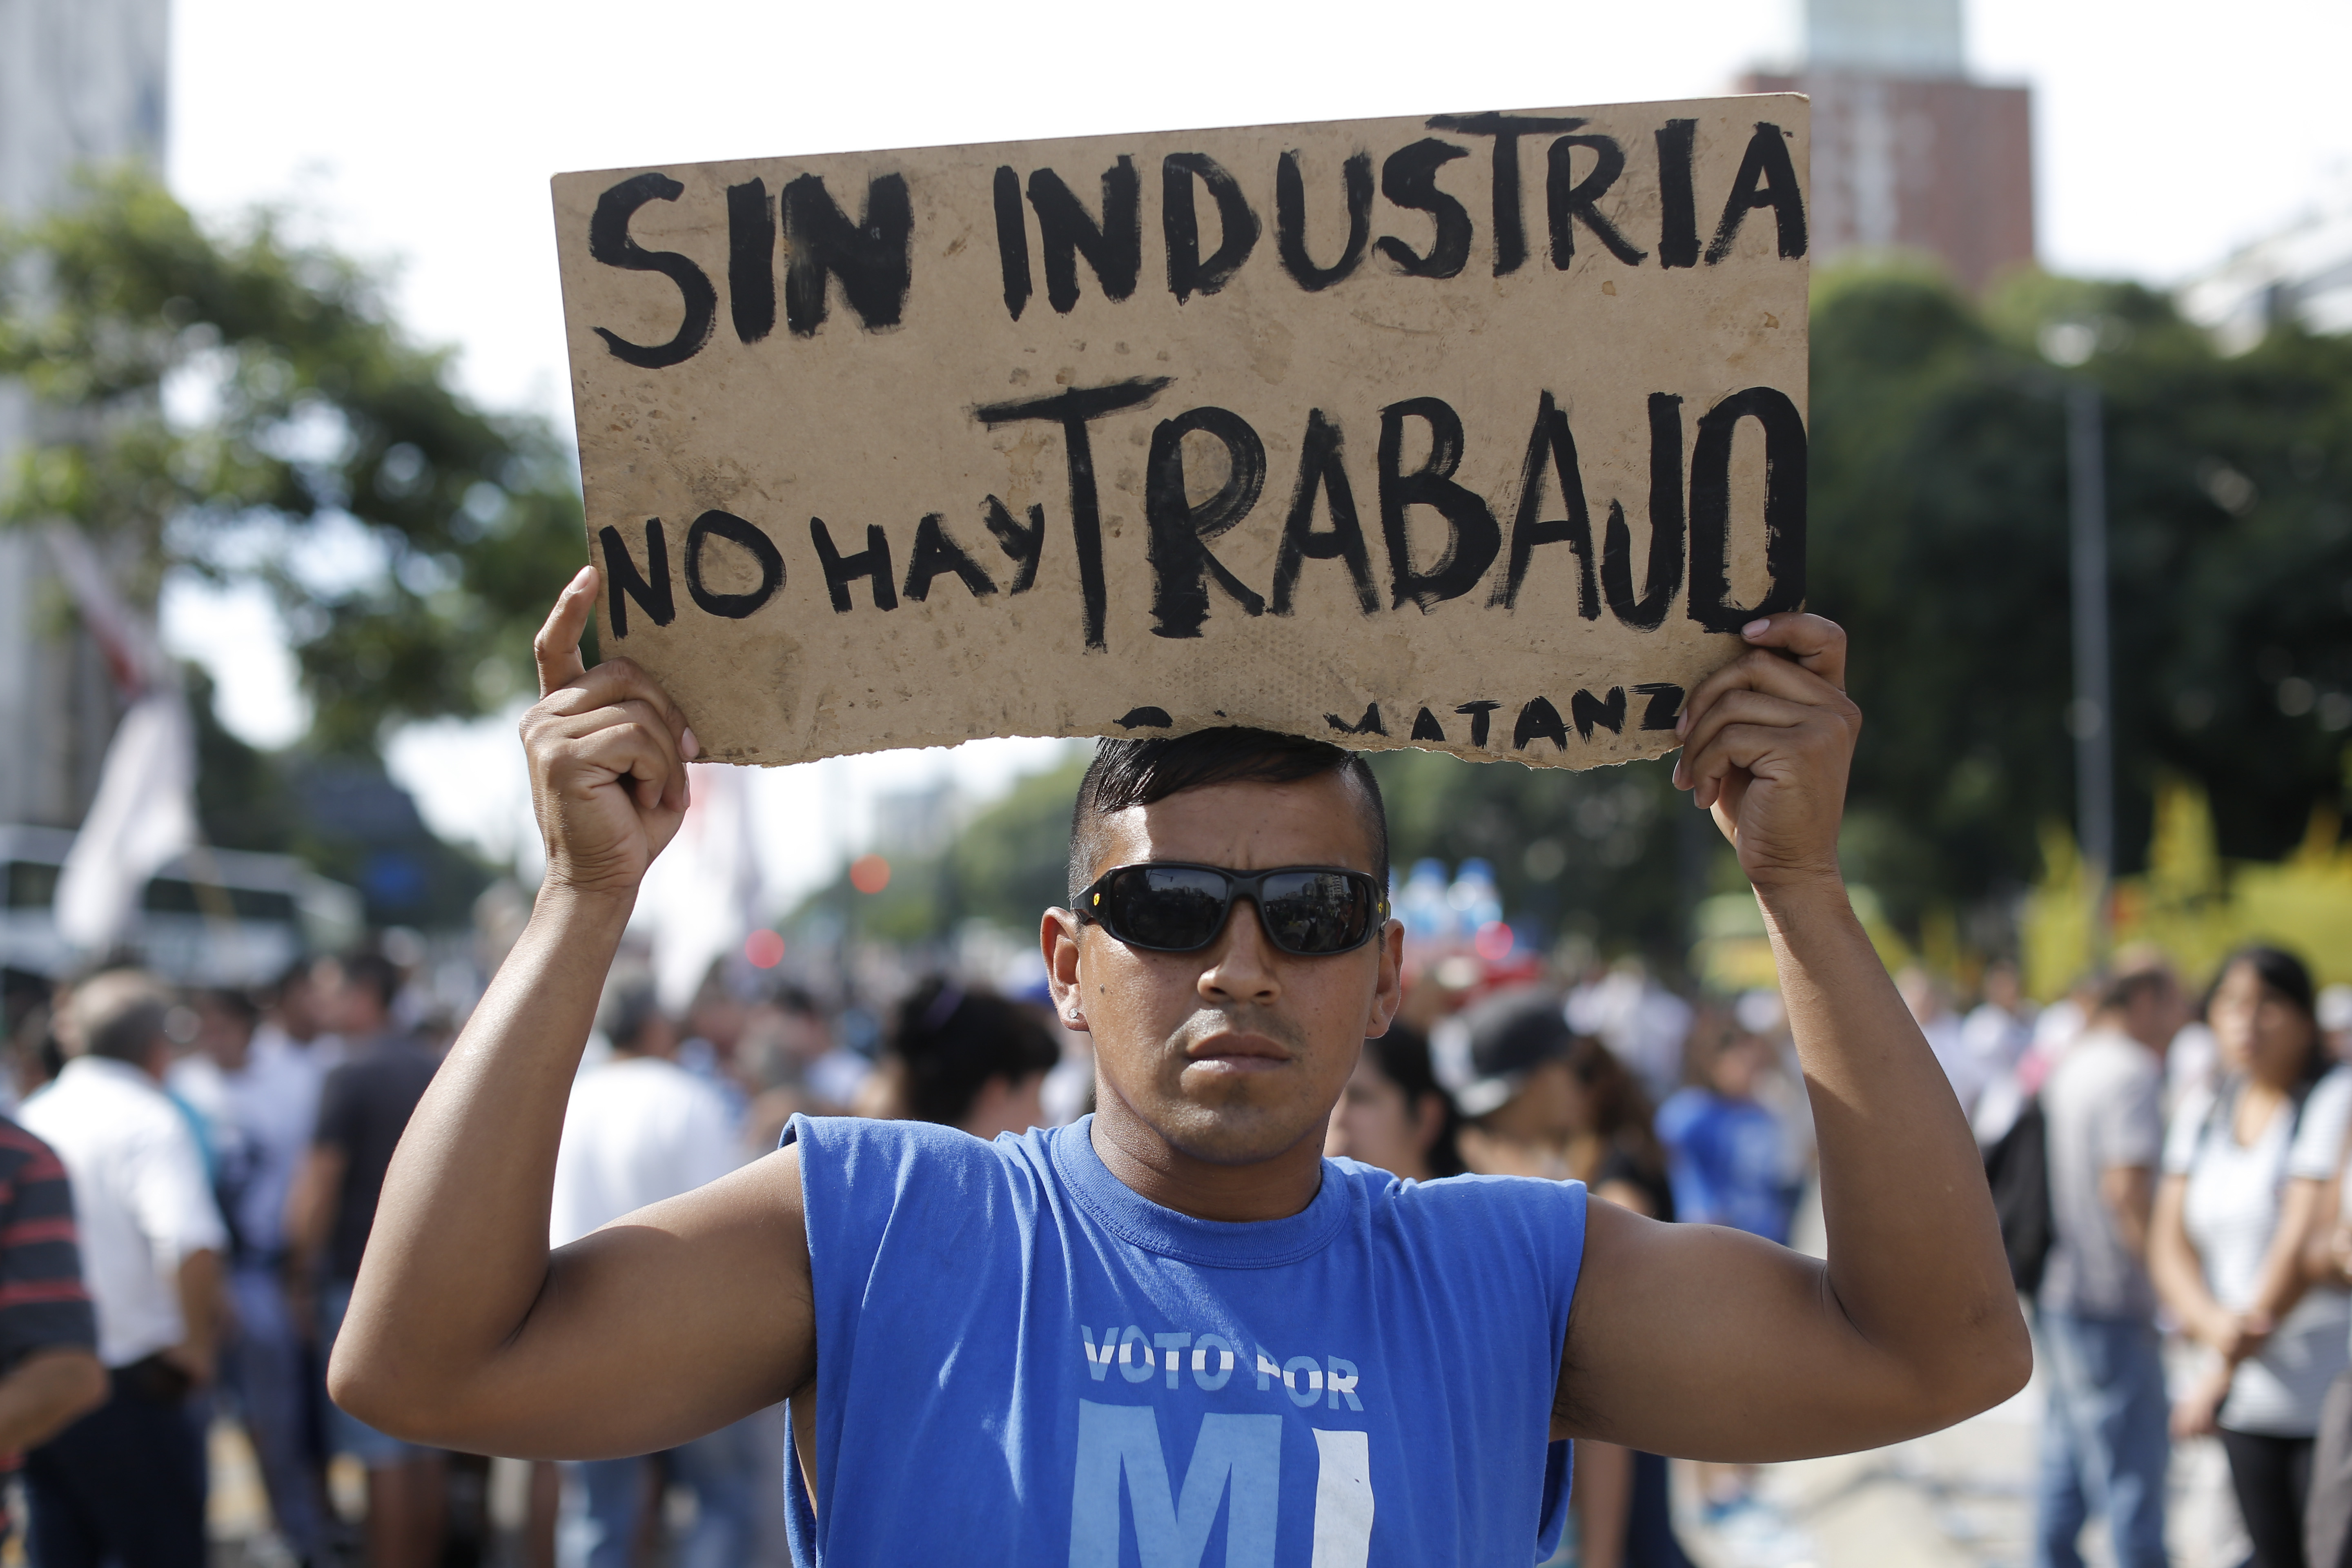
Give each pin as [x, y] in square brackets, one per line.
[556, 648]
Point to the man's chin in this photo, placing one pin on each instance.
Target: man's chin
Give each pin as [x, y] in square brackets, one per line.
[1234, 1130]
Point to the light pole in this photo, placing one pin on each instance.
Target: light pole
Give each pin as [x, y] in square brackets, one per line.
[2091, 716]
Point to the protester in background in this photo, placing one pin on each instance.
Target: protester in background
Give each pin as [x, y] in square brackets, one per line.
[1997, 1031]
[1728, 1160]
[1727, 1153]
[1504, 1062]
[1613, 1147]
[295, 1020]
[2055, 1027]
[963, 1058]
[1393, 1115]
[640, 1129]
[2327, 1518]
[363, 1107]
[783, 1035]
[2103, 1436]
[258, 1097]
[49, 1370]
[1542, 1101]
[2243, 1168]
[151, 1240]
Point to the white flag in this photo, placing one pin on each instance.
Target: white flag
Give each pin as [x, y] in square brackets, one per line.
[145, 812]
[143, 816]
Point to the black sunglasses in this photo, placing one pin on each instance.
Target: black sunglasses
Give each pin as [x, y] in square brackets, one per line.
[1166, 906]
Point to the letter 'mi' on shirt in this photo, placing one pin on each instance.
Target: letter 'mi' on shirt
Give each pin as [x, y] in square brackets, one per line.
[1171, 1530]
[1235, 1455]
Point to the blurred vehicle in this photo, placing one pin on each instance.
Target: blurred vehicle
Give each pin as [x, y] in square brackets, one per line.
[217, 917]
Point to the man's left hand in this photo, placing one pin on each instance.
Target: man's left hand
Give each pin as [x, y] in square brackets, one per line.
[1768, 741]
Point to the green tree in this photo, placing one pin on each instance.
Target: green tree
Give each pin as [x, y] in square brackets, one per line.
[1939, 538]
[308, 427]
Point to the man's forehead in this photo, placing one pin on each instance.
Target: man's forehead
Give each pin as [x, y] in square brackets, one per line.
[1318, 821]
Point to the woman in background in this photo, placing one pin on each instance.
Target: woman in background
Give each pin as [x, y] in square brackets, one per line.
[1612, 1146]
[1553, 1103]
[1392, 1114]
[2243, 1168]
[969, 1059]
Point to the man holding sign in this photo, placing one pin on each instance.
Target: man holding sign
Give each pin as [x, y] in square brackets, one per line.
[1177, 1312]
[1175, 1330]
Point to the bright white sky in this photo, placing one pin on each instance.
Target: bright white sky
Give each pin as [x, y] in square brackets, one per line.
[423, 136]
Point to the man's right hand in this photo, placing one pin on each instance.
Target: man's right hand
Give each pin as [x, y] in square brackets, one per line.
[607, 751]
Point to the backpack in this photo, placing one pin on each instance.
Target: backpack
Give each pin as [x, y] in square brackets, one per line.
[2017, 1167]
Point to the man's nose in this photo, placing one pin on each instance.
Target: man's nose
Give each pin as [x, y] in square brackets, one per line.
[1241, 966]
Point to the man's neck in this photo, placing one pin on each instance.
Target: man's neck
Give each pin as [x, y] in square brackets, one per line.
[1158, 1172]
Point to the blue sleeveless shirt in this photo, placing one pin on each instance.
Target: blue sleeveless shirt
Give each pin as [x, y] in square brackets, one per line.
[1021, 1361]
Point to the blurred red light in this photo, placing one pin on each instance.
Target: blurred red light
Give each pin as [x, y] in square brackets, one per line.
[869, 873]
[1494, 942]
[764, 949]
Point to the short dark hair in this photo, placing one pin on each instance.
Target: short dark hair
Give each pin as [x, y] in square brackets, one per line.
[1402, 1056]
[948, 1042]
[629, 1004]
[2123, 990]
[374, 972]
[118, 1014]
[1127, 773]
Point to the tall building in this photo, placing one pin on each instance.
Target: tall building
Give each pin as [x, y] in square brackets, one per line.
[1908, 153]
[81, 81]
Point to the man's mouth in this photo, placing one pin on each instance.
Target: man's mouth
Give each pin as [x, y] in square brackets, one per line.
[1239, 1052]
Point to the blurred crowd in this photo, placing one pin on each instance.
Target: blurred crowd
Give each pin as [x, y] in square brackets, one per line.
[2166, 1162]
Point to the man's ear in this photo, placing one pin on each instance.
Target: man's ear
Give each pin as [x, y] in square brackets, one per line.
[1058, 936]
[1388, 991]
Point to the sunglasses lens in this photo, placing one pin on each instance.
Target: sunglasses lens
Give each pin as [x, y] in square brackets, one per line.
[1312, 912]
[1173, 908]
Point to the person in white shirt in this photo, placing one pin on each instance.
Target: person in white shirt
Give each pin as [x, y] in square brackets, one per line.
[2244, 1168]
[641, 1128]
[151, 1241]
[2102, 1436]
[258, 1094]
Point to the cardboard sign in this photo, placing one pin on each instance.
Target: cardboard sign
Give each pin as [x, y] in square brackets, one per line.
[1482, 433]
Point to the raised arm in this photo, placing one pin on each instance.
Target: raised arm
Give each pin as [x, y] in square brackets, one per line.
[1699, 1341]
[464, 1331]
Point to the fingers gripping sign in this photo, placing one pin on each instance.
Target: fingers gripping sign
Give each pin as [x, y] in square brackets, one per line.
[608, 753]
[1768, 741]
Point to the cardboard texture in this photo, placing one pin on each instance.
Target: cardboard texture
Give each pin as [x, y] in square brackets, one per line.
[1477, 433]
